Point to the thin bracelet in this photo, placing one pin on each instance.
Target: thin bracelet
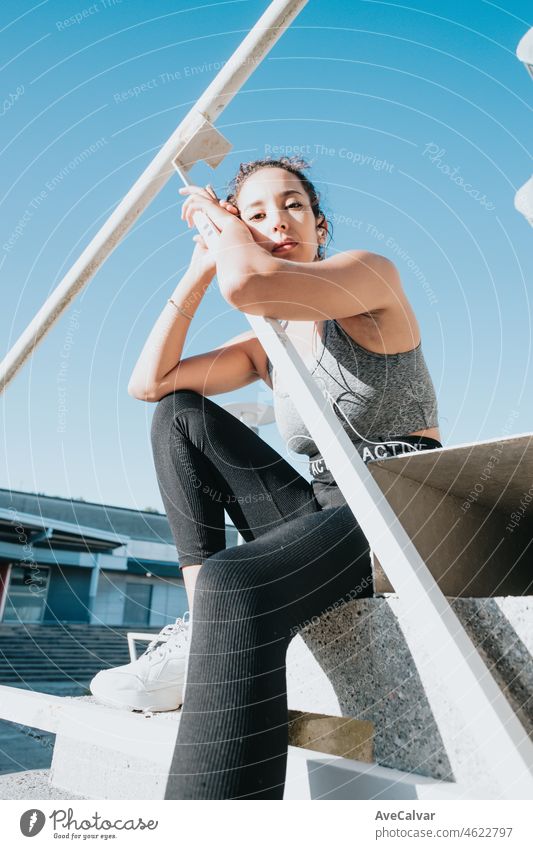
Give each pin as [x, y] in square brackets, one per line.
[179, 309]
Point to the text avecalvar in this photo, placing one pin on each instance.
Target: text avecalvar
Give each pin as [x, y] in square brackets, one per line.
[405, 815]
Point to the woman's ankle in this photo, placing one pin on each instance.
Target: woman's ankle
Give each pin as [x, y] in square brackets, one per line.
[190, 574]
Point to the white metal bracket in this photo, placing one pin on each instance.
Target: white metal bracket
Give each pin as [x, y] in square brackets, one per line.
[205, 143]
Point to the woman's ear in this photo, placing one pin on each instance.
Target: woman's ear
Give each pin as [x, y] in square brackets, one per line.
[322, 230]
[321, 235]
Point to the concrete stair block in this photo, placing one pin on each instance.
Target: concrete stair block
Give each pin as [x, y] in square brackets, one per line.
[354, 661]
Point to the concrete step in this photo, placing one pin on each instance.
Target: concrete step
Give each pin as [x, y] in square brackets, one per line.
[354, 662]
[310, 775]
[106, 753]
[57, 652]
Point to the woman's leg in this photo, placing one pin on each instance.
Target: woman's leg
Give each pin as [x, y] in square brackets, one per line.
[233, 734]
[206, 461]
[298, 560]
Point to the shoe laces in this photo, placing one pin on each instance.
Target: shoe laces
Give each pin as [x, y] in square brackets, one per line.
[157, 646]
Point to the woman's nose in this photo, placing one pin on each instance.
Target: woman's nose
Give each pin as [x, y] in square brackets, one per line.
[278, 220]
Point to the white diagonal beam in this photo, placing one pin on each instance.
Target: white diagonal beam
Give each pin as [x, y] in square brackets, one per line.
[426, 617]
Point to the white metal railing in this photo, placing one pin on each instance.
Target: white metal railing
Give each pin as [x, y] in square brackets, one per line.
[194, 139]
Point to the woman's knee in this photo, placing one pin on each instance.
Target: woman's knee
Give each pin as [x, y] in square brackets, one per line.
[170, 408]
[230, 589]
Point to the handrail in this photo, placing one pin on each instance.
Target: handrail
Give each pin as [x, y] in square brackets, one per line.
[232, 76]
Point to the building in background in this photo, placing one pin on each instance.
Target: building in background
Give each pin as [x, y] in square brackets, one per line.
[71, 561]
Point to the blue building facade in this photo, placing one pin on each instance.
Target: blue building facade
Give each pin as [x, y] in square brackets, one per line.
[71, 561]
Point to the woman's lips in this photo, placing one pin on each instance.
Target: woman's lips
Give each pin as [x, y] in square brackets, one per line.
[284, 247]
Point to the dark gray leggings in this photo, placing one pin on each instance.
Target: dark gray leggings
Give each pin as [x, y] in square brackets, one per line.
[304, 551]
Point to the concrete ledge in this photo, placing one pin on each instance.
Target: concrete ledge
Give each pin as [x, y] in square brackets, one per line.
[310, 775]
[32, 784]
[457, 506]
[108, 753]
[110, 771]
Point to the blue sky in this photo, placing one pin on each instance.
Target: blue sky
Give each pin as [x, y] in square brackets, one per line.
[393, 104]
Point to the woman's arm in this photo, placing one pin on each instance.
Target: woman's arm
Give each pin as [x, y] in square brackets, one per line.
[163, 348]
[251, 279]
[239, 257]
[350, 283]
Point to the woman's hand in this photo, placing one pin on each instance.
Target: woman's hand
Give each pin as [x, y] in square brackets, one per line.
[205, 200]
[203, 262]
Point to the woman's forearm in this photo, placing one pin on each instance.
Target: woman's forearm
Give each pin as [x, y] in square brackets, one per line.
[239, 257]
[163, 348]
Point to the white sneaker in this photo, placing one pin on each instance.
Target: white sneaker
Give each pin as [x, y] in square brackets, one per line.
[153, 682]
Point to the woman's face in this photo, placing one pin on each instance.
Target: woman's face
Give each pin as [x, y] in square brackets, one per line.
[275, 207]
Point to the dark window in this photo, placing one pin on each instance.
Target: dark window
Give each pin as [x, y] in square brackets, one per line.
[27, 592]
[137, 604]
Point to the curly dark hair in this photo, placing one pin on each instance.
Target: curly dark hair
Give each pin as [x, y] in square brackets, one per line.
[295, 165]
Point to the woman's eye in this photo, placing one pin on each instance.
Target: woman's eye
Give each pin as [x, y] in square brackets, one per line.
[294, 203]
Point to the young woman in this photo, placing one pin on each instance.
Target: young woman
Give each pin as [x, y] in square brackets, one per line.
[351, 321]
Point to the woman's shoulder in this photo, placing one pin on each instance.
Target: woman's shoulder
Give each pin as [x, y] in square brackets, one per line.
[390, 330]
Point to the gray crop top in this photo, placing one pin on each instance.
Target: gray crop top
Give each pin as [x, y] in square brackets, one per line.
[383, 396]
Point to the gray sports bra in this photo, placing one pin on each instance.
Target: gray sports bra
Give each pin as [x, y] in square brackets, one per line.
[376, 396]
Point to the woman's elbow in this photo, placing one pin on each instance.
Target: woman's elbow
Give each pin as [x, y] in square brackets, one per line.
[142, 393]
[248, 294]
[233, 291]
